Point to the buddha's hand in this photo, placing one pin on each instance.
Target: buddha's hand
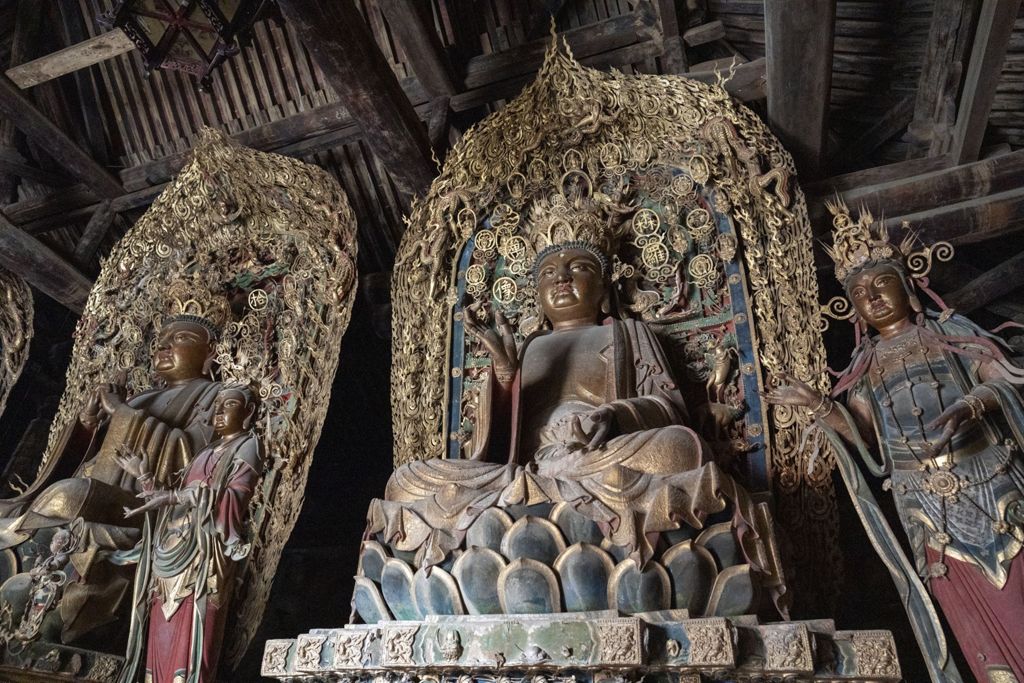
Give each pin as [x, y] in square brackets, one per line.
[499, 342]
[600, 420]
[793, 392]
[155, 499]
[91, 413]
[111, 397]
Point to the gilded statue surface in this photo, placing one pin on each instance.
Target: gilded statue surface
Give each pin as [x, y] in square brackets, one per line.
[715, 260]
[937, 398]
[242, 271]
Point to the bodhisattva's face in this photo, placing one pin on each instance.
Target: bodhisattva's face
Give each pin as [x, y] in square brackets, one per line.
[181, 351]
[880, 297]
[229, 412]
[570, 288]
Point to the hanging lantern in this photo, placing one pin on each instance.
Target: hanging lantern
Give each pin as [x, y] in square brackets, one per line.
[193, 36]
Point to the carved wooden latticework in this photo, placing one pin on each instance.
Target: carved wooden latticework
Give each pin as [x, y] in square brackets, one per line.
[275, 238]
[716, 254]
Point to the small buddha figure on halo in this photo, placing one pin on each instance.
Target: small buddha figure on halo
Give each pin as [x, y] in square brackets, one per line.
[939, 400]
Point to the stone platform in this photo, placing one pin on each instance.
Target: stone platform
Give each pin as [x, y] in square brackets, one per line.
[40, 661]
[583, 647]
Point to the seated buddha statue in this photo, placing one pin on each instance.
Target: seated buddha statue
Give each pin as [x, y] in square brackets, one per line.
[165, 426]
[584, 412]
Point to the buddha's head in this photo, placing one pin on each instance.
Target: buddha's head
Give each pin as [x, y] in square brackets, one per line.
[233, 410]
[571, 284]
[184, 348]
[880, 293]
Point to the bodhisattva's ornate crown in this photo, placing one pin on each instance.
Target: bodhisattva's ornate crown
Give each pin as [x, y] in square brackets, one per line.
[861, 242]
[590, 221]
[188, 302]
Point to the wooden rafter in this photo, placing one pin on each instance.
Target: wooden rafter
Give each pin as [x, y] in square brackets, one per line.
[70, 59]
[988, 286]
[364, 81]
[995, 26]
[41, 267]
[799, 38]
[17, 108]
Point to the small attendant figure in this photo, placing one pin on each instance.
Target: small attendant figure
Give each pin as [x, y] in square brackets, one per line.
[189, 553]
[939, 398]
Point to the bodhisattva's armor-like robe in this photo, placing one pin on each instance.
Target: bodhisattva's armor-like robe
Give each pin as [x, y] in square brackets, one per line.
[954, 506]
[652, 473]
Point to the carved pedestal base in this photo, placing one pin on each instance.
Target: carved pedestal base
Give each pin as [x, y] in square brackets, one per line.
[584, 647]
[41, 661]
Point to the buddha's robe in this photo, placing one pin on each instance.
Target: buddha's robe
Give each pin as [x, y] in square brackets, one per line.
[651, 475]
[187, 566]
[166, 426]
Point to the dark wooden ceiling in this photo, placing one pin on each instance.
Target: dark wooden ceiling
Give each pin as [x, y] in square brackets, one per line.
[921, 111]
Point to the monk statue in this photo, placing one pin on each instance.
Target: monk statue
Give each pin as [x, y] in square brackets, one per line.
[937, 398]
[584, 413]
[164, 426]
[190, 551]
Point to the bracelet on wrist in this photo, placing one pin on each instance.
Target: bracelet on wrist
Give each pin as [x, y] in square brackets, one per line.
[975, 404]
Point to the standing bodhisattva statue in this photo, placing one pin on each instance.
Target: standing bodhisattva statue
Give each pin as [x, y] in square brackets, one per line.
[938, 397]
[189, 552]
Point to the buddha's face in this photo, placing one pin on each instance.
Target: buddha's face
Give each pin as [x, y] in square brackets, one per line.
[570, 287]
[879, 295]
[181, 351]
[230, 411]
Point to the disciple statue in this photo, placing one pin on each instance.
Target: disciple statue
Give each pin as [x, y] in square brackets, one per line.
[165, 426]
[938, 398]
[583, 412]
[189, 553]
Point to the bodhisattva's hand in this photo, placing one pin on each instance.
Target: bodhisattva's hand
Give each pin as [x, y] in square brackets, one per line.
[793, 392]
[154, 499]
[133, 464]
[499, 342]
[90, 415]
[1015, 513]
[948, 421]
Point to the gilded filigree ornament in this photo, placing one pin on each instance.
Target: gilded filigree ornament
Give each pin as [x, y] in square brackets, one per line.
[15, 331]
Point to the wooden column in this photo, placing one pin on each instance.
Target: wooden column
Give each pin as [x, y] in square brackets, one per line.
[42, 267]
[995, 25]
[339, 40]
[798, 45]
[18, 109]
[941, 71]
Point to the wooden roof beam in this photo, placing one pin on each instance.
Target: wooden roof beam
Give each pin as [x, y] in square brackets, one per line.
[357, 71]
[412, 22]
[991, 39]
[989, 285]
[42, 267]
[23, 114]
[799, 36]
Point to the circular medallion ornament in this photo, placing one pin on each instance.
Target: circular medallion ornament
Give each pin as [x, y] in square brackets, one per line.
[258, 299]
[682, 185]
[514, 248]
[646, 222]
[944, 483]
[700, 224]
[476, 274]
[700, 170]
[702, 270]
[572, 160]
[485, 241]
[504, 290]
[654, 255]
